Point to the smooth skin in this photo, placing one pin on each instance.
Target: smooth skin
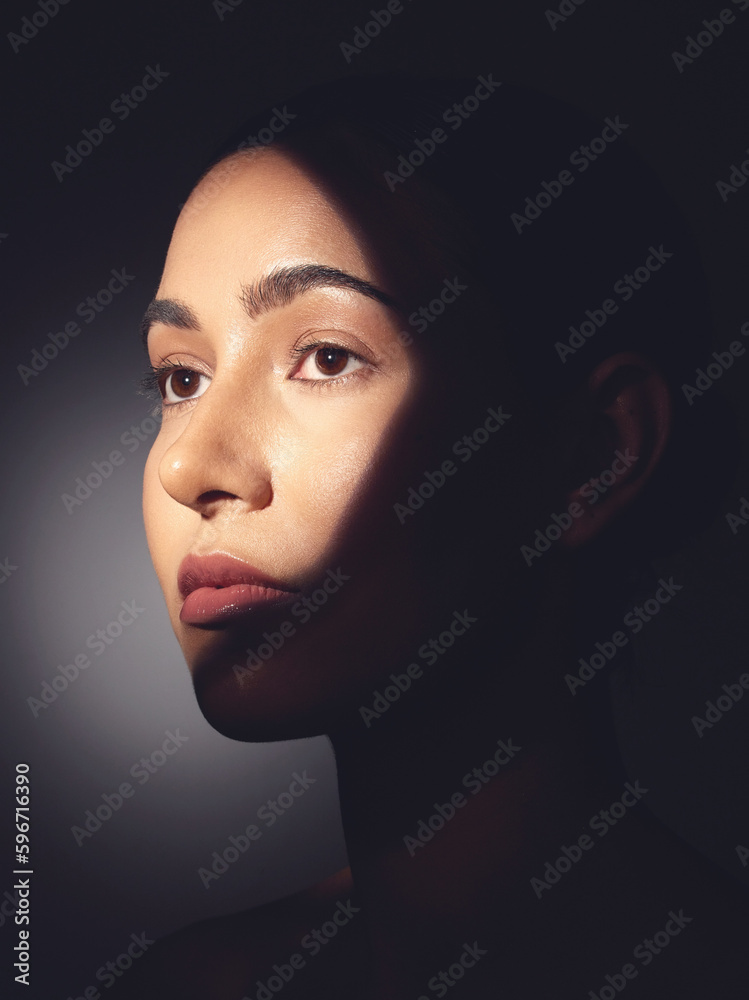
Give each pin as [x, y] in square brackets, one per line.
[266, 454]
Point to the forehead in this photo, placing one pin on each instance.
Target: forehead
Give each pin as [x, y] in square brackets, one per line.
[254, 213]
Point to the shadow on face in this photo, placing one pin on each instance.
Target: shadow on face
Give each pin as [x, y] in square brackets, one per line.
[364, 401]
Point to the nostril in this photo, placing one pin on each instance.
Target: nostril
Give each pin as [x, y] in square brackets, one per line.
[204, 472]
[212, 495]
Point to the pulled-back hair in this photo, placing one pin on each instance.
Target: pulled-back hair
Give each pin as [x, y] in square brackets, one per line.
[540, 212]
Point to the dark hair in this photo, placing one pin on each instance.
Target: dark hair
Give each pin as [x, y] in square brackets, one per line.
[469, 206]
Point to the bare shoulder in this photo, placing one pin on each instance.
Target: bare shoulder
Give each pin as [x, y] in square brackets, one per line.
[298, 944]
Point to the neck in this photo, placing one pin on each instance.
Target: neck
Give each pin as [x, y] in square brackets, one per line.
[458, 795]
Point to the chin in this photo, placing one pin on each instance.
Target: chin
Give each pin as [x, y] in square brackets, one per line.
[292, 695]
[240, 717]
[280, 675]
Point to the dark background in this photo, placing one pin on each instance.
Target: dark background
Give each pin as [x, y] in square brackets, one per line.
[60, 241]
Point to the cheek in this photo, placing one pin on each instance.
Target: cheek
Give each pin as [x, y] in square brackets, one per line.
[330, 465]
[317, 494]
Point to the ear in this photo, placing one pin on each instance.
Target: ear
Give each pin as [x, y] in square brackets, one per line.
[628, 408]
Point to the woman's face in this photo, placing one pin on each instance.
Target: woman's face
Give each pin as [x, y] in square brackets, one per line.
[282, 383]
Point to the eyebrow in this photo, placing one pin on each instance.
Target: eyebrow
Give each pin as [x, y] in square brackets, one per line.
[170, 312]
[273, 290]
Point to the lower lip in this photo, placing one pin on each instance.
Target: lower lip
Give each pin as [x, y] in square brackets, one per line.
[222, 605]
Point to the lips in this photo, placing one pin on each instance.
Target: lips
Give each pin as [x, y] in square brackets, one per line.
[219, 589]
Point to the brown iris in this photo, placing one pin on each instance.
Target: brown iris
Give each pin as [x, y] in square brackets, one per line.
[331, 360]
[184, 383]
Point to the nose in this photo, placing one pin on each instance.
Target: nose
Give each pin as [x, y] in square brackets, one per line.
[220, 455]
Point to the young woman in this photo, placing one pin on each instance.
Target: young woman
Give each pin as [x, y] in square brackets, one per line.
[420, 440]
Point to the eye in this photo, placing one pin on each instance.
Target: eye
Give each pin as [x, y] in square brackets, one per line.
[326, 361]
[182, 384]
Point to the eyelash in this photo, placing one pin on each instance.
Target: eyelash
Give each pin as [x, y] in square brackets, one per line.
[305, 350]
[152, 382]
